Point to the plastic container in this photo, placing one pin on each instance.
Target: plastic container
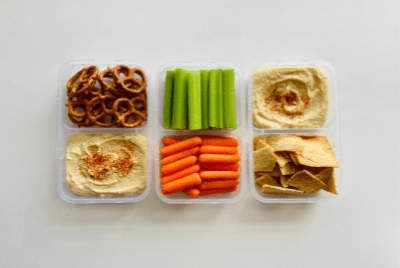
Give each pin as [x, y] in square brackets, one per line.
[160, 131]
[331, 129]
[65, 129]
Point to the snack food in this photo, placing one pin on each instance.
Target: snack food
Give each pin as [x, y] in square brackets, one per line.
[294, 164]
[107, 164]
[199, 99]
[290, 97]
[114, 97]
[210, 165]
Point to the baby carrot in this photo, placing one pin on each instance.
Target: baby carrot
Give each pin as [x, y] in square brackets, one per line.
[181, 184]
[220, 167]
[178, 165]
[220, 141]
[180, 174]
[210, 149]
[180, 146]
[219, 158]
[217, 191]
[169, 141]
[221, 175]
[192, 192]
[218, 184]
[175, 157]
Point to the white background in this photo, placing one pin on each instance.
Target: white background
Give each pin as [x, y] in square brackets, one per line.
[360, 228]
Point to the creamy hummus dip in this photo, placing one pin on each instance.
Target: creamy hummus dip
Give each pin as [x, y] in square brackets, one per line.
[107, 164]
[290, 97]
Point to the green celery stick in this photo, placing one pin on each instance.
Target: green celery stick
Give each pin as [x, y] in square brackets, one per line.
[220, 101]
[204, 98]
[228, 85]
[179, 105]
[194, 95]
[213, 98]
[168, 97]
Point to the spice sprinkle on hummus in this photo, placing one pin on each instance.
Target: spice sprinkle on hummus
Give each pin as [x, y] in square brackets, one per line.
[107, 164]
[290, 97]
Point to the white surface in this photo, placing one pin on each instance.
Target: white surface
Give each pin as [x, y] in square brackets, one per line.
[358, 229]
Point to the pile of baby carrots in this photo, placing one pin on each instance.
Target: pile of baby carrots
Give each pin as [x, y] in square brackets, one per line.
[200, 165]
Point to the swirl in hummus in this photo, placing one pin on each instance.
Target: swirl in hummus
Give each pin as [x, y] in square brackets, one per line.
[290, 97]
[107, 164]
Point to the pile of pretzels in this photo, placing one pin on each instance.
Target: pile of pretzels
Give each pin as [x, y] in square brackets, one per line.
[114, 97]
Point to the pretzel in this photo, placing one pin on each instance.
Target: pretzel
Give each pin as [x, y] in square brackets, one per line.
[82, 81]
[124, 115]
[123, 100]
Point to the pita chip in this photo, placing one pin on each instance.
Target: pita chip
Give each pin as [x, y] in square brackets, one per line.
[288, 143]
[328, 177]
[288, 169]
[317, 152]
[284, 180]
[264, 160]
[268, 189]
[282, 160]
[266, 179]
[305, 181]
[256, 139]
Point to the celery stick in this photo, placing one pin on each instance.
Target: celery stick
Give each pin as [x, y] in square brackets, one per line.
[220, 101]
[204, 98]
[194, 95]
[168, 95]
[179, 105]
[212, 104]
[228, 81]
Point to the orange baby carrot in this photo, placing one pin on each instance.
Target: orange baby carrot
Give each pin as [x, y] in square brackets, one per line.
[220, 167]
[220, 141]
[217, 191]
[175, 157]
[180, 146]
[169, 141]
[181, 184]
[192, 192]
[211, 149]
[180, 174]
[218, 184]
[178, 165]
[220, 175]
[219, 158]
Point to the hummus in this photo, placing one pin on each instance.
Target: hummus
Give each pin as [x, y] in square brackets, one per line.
[290, 97]
[107, 164]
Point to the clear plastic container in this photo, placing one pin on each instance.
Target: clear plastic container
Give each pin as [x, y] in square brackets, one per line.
[331, 129]
[160, 131]
[65, 129]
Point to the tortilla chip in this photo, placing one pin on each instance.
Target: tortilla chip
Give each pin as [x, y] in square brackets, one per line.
[288, 169]
[261, 144]
[282, 160]
[266, 179]
[317, 152]
[328, 177]
[256, 139]
[305, 181]
[268, 189]
[288, 143]
[284, 180]
[264, 160]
